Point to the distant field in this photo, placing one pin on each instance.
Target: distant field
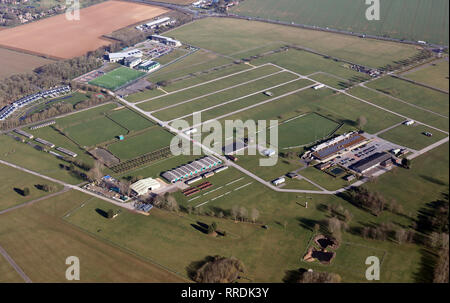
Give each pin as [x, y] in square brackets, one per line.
[60, 38]
[117, 78]
[404, 19]
[436, 75]
[12, 62]
[232, 36]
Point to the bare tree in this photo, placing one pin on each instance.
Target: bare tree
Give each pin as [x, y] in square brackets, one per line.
[124, 187]
[362, 121]
[96, 172]
[235, 212]
[254, 215]
[243, 213]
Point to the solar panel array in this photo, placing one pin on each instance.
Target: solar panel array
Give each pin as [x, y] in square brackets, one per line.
[330, 150]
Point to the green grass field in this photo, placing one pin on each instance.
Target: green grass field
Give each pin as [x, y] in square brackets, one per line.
[414, 94]
[405, 19]
[84, 135]
[50, 134]
[228, 36]
[39, 241]
[412, 136]
[146, 94]
[12, 181]
[340, 108]
[93, 126]
[253, 88]
[305, 130]
[151, 140]
[323, 179]
[281, 247]
[117, 78]
[435, 74]
[130, 120]
[401, 108]
[206, 88]
[8, 273]
[24, 155]
[196, 62]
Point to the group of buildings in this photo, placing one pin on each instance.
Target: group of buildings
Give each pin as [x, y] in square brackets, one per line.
[47, 143]
[134, 58]
[366, 153]
[8, 110]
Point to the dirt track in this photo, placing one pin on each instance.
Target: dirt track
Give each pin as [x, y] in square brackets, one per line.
[60, 38]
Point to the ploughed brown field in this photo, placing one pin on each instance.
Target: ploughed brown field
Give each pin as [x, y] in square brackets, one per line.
[59, 38]
[12, 62]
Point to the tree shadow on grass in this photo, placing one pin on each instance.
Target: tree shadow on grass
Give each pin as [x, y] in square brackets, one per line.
[101, 212]
[292, 276]
[433, 180]
[200, 226]
[427, 263]
[19, 191]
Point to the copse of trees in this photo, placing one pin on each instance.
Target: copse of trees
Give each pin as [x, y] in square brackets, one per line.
[372, 201]
[220, 270]
[166, 202]
[318, 277]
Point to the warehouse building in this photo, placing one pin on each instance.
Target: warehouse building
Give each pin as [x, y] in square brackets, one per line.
[43, 125]
[371, 162]
[332, 148]
[149, 66]
[131, 61]
[192, 169]
[143, 186]
[45, 142]
[25, 134]
[166, 40]
[67, 152]
[234, 147]
[117, 57]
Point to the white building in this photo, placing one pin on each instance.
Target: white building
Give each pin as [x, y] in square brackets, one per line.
[116, 57]
[269, 152]
[132, 62]
[279, 181]
[166, 40]
[143, 186]
[190, 131]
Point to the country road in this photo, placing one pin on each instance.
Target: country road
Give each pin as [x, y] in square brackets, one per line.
[14, 265]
